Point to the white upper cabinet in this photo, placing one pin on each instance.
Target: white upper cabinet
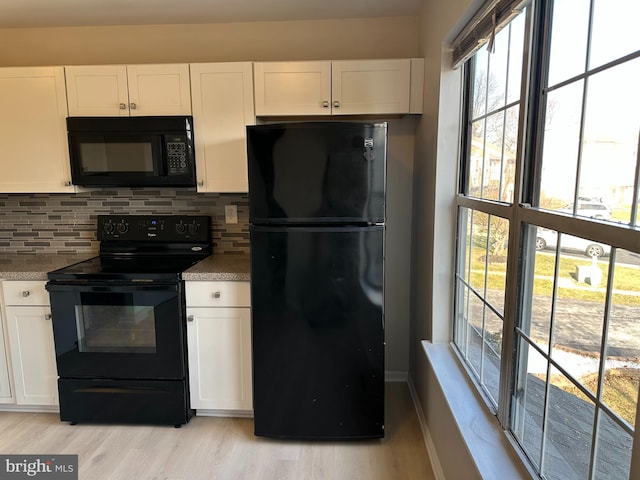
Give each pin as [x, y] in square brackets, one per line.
[128, 90]
[35, 152]
[340, 87]
[222, 95]
[293, 88]
[370, 86]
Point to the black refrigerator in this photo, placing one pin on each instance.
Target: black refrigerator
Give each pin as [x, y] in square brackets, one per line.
[317, 213]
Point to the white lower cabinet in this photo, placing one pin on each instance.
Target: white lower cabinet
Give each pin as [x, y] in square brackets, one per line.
[219, 344]
[31, 344]
[5, 380]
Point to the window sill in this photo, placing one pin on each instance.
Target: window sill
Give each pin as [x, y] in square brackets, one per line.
[489, 447]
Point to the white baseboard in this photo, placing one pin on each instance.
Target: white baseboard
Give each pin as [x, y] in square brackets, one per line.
[30, 408]
[224, 413]
[426, 435]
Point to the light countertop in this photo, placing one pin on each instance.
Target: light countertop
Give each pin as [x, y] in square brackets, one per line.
[226, 267]
[35, 267]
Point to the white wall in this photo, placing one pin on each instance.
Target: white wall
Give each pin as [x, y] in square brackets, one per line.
[395, 37]
[434, 217]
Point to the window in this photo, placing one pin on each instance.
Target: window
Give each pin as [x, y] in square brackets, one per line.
[547, 309]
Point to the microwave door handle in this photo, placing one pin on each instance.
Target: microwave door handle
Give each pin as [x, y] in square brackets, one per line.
[160, 166]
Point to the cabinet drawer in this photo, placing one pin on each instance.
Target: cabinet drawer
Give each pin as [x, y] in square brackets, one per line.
[31, 292]
[218, 294]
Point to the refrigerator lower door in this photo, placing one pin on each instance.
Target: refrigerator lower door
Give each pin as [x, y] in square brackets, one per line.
[318, 332]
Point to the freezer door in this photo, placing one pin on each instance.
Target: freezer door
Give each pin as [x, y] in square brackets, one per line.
[317, 172]
[318, 332]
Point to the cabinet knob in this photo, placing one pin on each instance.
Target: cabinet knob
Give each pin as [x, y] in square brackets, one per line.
[216, 294]
[47, 316]
[26, 293]
[325, 104]
[200, 183]
[190, 318]
[67, 184]
[336, 104]
[133, 106]
[123, 106]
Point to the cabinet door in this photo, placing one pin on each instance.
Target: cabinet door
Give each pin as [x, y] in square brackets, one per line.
[370, 86]
[33, 356]
[222, 96]
[219, 344]
[5, 382]
[159, 89]
[97, 91]
[293, 88]
[35, 152]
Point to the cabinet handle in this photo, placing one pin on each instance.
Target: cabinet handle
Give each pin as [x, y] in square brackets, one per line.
[123, 106]
[216, 295]
[47, 316]
[189, 318]
[133, 106]
[26, 293]
[200, 183]
[336, 104]
[325, 104]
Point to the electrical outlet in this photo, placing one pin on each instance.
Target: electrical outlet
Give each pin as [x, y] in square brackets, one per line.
[231, 213]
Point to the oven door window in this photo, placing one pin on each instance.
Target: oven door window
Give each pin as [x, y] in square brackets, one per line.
[116, 328]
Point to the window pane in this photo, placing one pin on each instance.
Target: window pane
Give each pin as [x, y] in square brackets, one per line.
[476, 159]
[515, 59]
[615, 30]
[613, 456]
[560, 148]
[568, 51]
[491, 354]
[497, 262]
[568, 431]
[479, 250]
[480, 84]
[579, 311]
[540, 299]
[530, 395]
[622, 366]
[610, 145]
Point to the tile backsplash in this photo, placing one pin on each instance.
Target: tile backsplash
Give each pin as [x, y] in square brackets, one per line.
[66, 223]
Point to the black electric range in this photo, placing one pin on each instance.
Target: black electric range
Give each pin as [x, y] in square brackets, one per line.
[119, 321]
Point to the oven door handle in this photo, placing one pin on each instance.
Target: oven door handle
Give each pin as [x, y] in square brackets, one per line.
[75, 288]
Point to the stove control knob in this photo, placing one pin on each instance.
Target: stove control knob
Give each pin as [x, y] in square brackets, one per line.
[108, 228]
[193, 228]
[122, 227]
[180, 228]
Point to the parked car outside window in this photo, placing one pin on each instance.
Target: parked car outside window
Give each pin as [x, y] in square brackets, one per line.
[593, 209]
[549, 239]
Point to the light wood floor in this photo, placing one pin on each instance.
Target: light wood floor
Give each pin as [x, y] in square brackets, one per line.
[223, 448]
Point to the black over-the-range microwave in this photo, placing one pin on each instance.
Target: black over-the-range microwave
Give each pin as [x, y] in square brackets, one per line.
[132, 151]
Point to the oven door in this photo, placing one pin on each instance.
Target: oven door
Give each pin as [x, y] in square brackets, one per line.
[119, 332]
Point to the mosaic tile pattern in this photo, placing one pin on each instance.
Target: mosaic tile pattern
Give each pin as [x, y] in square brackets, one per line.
[66, 223]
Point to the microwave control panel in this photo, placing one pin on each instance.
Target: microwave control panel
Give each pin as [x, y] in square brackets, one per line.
[177, 158]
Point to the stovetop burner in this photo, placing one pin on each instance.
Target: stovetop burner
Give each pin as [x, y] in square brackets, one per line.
[143, 247]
